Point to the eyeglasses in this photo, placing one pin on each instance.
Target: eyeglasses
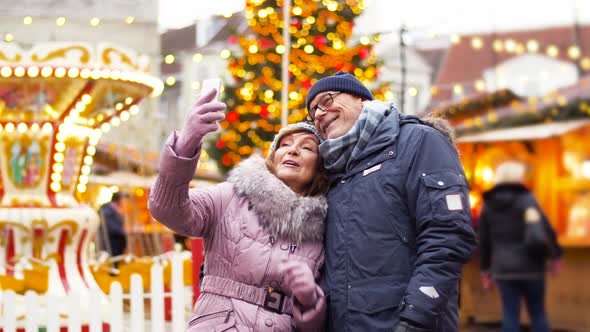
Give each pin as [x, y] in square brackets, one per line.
[326, 101]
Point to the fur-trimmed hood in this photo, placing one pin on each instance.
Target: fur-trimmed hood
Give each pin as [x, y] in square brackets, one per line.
[279, 209]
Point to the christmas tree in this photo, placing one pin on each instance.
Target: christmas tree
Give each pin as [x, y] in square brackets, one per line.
[320, 45]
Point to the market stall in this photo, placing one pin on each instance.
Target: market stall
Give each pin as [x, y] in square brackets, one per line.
[550, 136]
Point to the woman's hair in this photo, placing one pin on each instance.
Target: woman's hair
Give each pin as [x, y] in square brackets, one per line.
[319, 183]
[510, 172]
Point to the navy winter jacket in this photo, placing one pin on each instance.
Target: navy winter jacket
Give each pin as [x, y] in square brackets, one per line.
[398, 232]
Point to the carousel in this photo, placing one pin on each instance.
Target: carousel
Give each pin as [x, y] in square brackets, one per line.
[56, 101]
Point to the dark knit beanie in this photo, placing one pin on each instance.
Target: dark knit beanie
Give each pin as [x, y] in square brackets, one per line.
[341, 81]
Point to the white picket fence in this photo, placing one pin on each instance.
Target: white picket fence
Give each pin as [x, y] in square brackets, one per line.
[94, 310]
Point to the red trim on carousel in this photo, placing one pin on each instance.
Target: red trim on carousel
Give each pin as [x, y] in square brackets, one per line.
[63, 239]
[9, 252]
[79, 256]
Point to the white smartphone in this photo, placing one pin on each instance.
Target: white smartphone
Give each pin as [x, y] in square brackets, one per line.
[210, 84]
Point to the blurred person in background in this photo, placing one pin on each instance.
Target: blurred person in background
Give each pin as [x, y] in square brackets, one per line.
[263, 228]
[113, 237]
[516, 240]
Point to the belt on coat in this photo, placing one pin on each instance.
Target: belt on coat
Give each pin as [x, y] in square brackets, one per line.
[265, 297]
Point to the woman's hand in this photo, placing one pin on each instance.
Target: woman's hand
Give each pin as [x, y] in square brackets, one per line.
[200, 121]
[298, 278]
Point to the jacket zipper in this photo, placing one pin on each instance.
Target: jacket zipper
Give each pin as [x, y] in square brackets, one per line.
[199, 319]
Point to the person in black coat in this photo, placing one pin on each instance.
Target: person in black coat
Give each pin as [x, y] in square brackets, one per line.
[111, 216]
[509, 212]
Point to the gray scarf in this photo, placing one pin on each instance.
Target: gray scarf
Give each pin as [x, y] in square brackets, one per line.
[341, 153]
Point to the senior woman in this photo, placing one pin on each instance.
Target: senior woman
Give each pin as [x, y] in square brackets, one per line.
[263, 227]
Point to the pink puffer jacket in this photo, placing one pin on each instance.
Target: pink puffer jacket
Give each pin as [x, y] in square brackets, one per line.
[250, 224]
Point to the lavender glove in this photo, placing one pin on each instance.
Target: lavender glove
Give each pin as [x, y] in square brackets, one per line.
[298, 278]
[200, 121]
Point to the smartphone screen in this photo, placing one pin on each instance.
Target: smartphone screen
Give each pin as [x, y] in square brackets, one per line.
[210, 84]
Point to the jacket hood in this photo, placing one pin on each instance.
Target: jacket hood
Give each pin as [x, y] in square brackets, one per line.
[504, 195]
[279, 209]
[440, 124]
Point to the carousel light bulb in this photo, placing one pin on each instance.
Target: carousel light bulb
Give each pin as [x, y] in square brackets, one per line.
[116, 75]
[86, 99]
[124, 116]
[47, 128]
[19, 71]
[58, 157]
[60, 147]
[55, 186]
[128, 100]
[73, 72]
[81, 188]
[85, 171]
[9, 127]
[55, 177]
[88, 159]
[33, 71]
[280, 49]
[105, 127]
[60, 136]
[60, 72]
[95, 74]
[91, 122]
[6, 71]
[35, 127]
[134, 110]
[115, 122]
[28, 20]
[91, 150]
[46, 71]
[80, 106]
[85, 73]
[129, 19]
[58, 168]
[105, 73]
[118, 106]
[22, 127]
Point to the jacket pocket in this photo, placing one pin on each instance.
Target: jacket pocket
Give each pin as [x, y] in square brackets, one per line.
[447, 193]
[373, 304]
[212, 322]
[373, 295]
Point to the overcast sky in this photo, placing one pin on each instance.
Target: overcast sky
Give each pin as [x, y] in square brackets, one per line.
[423, 16]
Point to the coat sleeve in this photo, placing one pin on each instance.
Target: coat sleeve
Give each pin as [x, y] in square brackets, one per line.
[485, 244]
[188, 212]
[438, 201]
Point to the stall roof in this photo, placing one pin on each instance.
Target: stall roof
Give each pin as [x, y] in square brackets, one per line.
[533, 132]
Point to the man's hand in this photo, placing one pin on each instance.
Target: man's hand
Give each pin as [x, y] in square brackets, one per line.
[299, 280]
[405, 326]
[200, 121]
